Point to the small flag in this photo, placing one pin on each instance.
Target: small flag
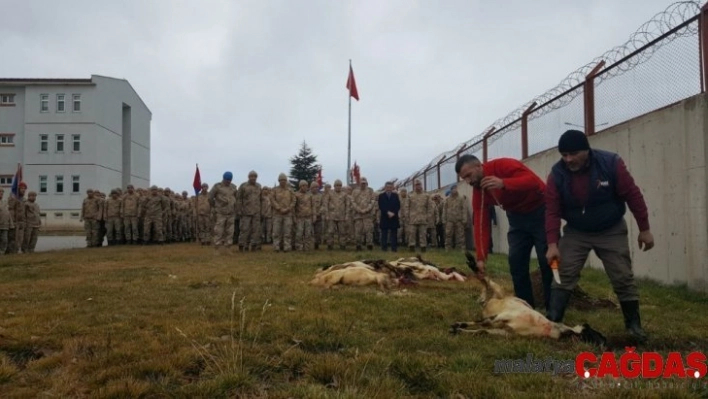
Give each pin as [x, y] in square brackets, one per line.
[356, 174]
[319, 178]
[16, 181]
[197, 184]
[351, 84]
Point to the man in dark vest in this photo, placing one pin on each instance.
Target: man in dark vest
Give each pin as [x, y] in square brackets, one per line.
[590, 189]
[389, 207]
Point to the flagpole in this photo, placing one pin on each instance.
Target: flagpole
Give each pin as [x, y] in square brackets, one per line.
[349, 145]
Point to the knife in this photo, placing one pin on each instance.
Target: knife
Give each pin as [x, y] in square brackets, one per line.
[554, 268]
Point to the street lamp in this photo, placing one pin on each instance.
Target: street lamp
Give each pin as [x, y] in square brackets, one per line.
[583, 127]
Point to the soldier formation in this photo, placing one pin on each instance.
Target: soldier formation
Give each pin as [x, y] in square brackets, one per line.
[19, 221]
[251, 216]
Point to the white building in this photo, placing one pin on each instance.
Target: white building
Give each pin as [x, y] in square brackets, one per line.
[71, 135]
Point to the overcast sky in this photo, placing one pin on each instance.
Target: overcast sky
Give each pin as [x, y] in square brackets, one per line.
[239, 85]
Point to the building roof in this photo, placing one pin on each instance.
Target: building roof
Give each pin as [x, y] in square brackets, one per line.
[43, 81]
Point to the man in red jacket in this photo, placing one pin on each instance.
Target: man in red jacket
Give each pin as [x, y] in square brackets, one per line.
[515, 188]
[590, 189]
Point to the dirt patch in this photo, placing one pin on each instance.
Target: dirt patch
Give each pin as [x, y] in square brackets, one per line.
[580, 299]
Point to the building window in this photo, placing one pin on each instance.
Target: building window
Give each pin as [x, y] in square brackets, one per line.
[43, 142]
[75, 215]
[44, 103]
[60, 143]
[76, 142]
[7, 139]
[6, 180]
[76, 100]
[7, 99]
[59, 215]
[75, 184]
[60, 184]
[60, 103]
[43, 184]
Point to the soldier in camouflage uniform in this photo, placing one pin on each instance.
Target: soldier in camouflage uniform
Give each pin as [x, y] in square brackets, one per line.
[203, 215]
[32, 223]
[17, 214]
[266, 216]
[349, 222]
[338, 205]
[439, 229]
[167, 210]
[304, 215]
[318, 223]
[131, 211]
[90, 214]
[223, 198]
[325, 211]
[6, 224]
[404, 230]
[420, 211]
[283, 202]
[112, 214]
[363, 202]
[454, 218]
[142, 210]
[155, 209]
[249, 197]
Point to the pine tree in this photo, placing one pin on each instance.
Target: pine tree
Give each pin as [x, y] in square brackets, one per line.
[304, 166]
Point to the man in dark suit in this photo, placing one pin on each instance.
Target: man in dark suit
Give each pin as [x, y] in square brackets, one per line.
[389, 205]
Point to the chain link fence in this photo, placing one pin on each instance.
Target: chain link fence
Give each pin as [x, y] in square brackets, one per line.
[658, 66]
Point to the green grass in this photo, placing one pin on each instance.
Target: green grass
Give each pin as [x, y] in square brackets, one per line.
[177, 321]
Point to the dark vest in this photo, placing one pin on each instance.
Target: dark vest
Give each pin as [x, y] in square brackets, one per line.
[604, 208]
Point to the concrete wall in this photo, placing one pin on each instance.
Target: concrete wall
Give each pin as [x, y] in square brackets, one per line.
[665, 151]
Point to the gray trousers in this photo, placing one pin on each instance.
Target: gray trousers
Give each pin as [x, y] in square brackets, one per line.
[611, 246]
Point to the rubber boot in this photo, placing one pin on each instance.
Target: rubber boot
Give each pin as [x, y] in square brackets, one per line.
[558, 303]
[630, 310]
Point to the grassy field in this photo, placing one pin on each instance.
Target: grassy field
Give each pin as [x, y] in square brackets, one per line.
[177, 321]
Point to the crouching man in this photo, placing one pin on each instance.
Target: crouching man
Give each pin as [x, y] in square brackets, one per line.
[590, 190]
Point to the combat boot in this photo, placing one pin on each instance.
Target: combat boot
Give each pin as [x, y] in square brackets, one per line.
[557, 304]
[632, 321]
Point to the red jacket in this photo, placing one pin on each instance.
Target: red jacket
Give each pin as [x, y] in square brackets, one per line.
[626, 190]
[523, 192]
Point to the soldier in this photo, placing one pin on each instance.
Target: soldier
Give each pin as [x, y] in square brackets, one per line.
[249, 201]
[349, 221]
[403, 231]
[131, 210]
[5, 221]
[337, 210]
[420, 208]
[439, 228]
[283, 206]
[167, 210]
[304, 216]
[185, 217]
[325, 210]
[32, 223]
[363, 201]
[142, 210]
[266, 216]
[318, 223]
[90, 215]
[101, 221]
[17, 214]
[113, 216]
[154, 217]
[203, 215]
[454, 218]
[223, 198]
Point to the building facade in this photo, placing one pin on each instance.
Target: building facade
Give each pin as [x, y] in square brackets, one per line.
[70, 135]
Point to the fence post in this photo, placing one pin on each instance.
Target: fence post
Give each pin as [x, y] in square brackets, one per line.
[589, 97]
[439, 176]
[525, 131]
[485, 145]
[703, 44]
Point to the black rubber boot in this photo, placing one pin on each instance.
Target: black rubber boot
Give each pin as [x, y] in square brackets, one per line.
[630, 310]
[558, 303]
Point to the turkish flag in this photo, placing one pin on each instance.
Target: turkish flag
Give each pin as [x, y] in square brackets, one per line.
[351, 84]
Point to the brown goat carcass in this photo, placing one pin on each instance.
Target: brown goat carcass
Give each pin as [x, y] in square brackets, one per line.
[507, 315]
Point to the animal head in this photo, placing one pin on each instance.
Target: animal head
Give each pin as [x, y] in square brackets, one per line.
[592, 336]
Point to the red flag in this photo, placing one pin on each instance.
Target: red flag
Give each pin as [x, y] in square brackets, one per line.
[197, 184]
[357, 175]
[351, 84]
[319, 178]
